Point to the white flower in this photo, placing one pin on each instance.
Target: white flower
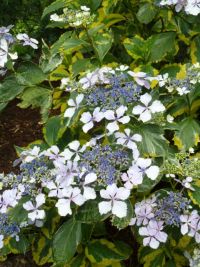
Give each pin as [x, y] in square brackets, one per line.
[89, 119]
[169, 118]
[70, 195]
[1, 241]
[154, 234]
[143, 167]
[35, 213]
[55, 189]
[89, 192]
[85, 8]
[187, 183]
[193, 7]
[140, 78]
[64, 83]
[116, 117]
[27, 40]
[182, 91]
[8, 199]
[125, 139]
[115, 203]
[74, 150]
[162, 79]
[29, 155]
[55, 17]
[122, 68]
[53, 153]
[3, 52]
[146, 110]
[73, 106]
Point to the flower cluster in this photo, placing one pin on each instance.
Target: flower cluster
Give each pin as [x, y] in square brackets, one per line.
[74, 18]
[181, 86]
[105, 162]
[161, 211]
[191, 7]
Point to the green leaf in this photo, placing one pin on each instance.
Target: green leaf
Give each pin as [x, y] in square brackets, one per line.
[19, 247]
[154, 49]
[30, 74]
[195, 50]
[195, 195]
[78, 261]
[66, 240]
[89, 212]
[187, 133]
[111, 19]
[161, 44]
[80, 65]
[136, 47]
[3, 105]
[146, 13]
[54, 7]
[102, 43]
[87, 230]
[153, 142]
[37, 97]
[73, 43]
[150, 257]
[19, 214]
[9, 89]
[102, 251]
[58, 44]
[54, 129]
[42, 250]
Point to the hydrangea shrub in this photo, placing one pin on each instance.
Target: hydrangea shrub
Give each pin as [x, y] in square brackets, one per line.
[119, 165]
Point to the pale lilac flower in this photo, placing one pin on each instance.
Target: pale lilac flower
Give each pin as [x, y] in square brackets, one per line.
[27, 40]
[128, 140]
[146, 110]
[131, 179]
[73, 106]
[65, 174]
[116, 117]
[144, 211]
[89, 119]
[95, 77]
[189, 221]
[35, 213]
[74, 151]
[153, 234]
[140, 78]
[115, 203]
[69, 195]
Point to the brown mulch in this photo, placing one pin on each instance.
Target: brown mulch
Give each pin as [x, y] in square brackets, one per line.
[17, 127]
